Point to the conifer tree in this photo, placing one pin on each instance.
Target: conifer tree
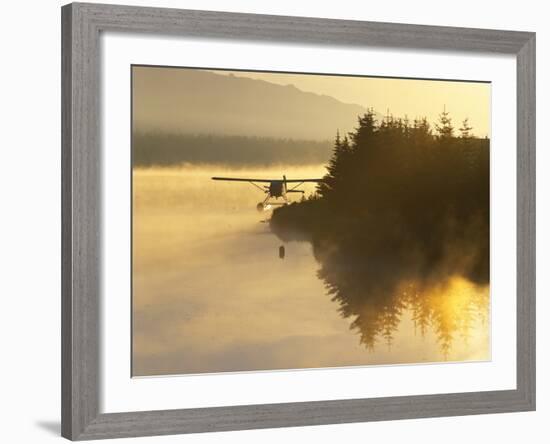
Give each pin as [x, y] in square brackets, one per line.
[444, 127]
[465, 129]
[421, 132]
[366, 128]
[336, 166]
[469, 151]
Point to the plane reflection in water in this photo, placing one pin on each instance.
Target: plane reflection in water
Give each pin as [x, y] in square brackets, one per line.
[276, 188]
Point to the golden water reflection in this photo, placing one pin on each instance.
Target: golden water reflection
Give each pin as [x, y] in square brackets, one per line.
[451, 311]
[210, 293]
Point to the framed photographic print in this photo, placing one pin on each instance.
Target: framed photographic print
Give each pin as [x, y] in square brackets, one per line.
[278, 221]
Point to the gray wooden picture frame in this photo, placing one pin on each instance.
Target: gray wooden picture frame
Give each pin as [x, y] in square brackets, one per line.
[81, 232]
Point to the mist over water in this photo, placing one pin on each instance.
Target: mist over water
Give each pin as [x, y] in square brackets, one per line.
[211, 294]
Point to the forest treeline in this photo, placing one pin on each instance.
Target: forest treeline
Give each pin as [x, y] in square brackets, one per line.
[403, 205]
[165, 149]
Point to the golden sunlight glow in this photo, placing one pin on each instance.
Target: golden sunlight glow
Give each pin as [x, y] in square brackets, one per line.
[400, 97]
[211, 294]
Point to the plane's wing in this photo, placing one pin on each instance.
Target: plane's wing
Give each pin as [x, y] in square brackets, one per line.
[240, 179]
[304, 180]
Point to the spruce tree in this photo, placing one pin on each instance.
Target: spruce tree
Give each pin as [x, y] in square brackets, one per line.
[465, 129]
[367, 125]
[444, 127]
[336, 166]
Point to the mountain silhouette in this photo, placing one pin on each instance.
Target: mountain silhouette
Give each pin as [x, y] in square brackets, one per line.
[192, 101]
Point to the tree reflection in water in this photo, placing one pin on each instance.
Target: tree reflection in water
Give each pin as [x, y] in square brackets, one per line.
[449, 309]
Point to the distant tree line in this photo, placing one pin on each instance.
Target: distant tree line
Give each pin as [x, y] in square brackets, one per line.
[402, 203]
[164, 149]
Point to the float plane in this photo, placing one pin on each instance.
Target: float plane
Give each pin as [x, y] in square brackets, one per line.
[277, 188]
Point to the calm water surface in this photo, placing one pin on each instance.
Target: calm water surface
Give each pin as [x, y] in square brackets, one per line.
[210, 293]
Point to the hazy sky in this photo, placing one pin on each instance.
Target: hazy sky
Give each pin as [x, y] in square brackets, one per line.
[415, 98]
[295, 106]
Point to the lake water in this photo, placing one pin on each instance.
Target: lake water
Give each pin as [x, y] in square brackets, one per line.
[211, 294]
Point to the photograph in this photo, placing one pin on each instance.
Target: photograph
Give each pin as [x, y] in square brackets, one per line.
[304, 220]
